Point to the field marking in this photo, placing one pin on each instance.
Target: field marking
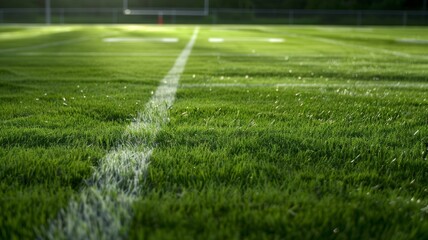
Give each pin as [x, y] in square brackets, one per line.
[255, 39]
[276, 40]
[104, 208]
[308, 85]
[29, 32]
[135, 40]
[216, 40]
[412, 41]
[157, 54]
[341, 43]
[44, 45]
[366, 48]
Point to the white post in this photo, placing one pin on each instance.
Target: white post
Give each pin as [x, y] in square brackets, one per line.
[207, 7]
[290, 17]
[125, 4]
[404, 18]
[48, 11]
[62, 16]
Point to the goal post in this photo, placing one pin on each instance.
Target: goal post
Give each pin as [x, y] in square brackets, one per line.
[203, 10]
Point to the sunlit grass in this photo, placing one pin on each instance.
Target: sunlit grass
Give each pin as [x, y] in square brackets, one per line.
[60, 115]
[322, 136]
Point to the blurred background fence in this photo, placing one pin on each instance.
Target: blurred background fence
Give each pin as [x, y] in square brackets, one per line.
[219, 16]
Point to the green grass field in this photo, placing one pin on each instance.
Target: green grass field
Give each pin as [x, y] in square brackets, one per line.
[322, 135]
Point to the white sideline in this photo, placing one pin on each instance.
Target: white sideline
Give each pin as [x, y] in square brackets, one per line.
[104, 208]
[250, 39]
[366, 48]
[154, 54]
[163, 40]
[44, 45]
[309, 85]
[412, 41]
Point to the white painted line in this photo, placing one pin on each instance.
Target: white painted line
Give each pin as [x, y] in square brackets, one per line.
[160, 54]
[104, 209]
[356, 46]
[412, 41]
[309, 85]
[97, 54]
[222, 40]
[276, 40]
[133, 40]
[216, 40]
[44, 45]
[170, 40]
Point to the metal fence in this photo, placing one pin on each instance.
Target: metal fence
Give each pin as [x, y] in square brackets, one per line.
[219, 16]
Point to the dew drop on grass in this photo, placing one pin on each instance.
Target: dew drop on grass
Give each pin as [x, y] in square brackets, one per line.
[37, 99]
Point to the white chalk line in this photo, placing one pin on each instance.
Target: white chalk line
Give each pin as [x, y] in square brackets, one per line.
[412, 41]
[28, 32]
[222, 40]
[44, 45]
[155, 54]
[366, 48]
[136, 40]
[104, 208]
[307, 85]
[283, 56]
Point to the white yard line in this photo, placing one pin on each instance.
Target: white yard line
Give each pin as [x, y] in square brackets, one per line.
[249, 39]
[412, 41]
[104, 209]
[308, 85]
[44, 45]
[133, 40]
[356, 46]
[153, 54]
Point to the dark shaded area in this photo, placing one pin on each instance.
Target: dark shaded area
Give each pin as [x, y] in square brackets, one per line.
[242, 4]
